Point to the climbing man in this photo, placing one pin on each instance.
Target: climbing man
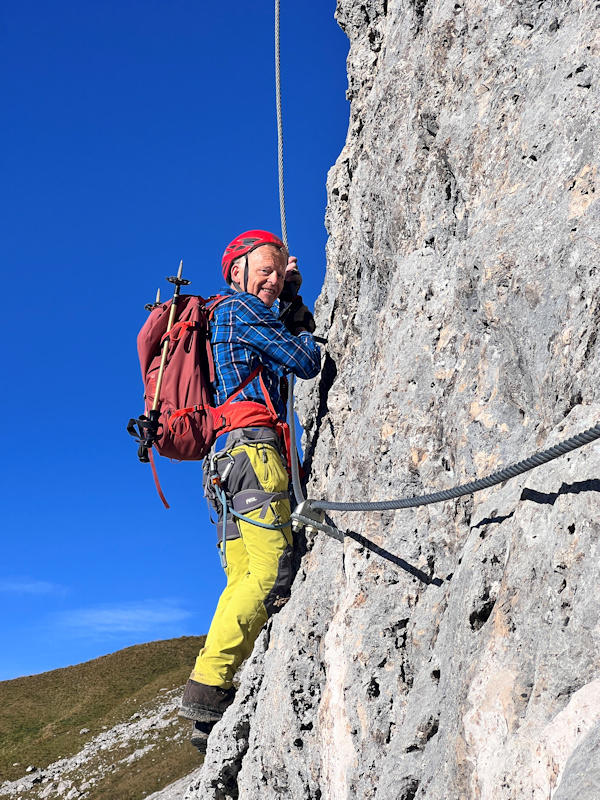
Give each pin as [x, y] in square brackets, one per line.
[258, 333]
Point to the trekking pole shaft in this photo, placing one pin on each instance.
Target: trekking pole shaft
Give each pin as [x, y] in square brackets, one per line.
[165, 347]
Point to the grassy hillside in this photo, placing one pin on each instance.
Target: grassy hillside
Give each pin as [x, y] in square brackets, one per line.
[42, 716]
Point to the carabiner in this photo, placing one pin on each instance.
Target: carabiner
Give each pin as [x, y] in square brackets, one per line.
[228, 468]
[216, 478]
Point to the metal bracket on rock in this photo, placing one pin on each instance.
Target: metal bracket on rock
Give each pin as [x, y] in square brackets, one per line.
[304, 516]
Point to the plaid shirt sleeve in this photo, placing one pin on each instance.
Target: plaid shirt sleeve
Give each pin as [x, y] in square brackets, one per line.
[245, 334]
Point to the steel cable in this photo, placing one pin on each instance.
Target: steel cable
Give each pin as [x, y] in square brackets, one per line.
[495, 478]
[290, 403]
[279, 127]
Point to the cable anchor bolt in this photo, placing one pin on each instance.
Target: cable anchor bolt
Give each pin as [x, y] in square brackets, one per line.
[305, 510]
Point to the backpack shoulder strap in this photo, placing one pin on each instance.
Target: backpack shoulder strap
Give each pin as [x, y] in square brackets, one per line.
[257, 372]
[212, 303]
[242, 386]
[209, 306]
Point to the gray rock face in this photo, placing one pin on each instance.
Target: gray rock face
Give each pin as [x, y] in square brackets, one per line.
[462, 311]
[581, 777]
[176, 789]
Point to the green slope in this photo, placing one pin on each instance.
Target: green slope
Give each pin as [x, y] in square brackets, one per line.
[41, 716]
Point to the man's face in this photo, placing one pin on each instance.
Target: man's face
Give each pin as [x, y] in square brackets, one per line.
[266, 273]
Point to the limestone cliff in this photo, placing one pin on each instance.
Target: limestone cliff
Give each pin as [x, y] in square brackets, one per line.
[462, 311]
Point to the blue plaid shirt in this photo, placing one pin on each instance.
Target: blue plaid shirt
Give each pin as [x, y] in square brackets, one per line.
[244, 333]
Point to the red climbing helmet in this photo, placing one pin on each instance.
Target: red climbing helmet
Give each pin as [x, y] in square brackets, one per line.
[245, 243]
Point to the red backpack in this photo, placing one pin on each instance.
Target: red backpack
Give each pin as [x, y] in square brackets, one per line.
[186, 423]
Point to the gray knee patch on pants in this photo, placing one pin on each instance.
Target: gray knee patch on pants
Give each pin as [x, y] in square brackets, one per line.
[280, 593]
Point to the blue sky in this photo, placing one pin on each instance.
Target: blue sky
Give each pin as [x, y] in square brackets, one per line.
[134, 134]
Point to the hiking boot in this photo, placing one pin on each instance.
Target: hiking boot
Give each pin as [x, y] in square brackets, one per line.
[205, 703]
[200, 733]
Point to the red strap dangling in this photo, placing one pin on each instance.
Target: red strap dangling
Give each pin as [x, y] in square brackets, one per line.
[156, 481]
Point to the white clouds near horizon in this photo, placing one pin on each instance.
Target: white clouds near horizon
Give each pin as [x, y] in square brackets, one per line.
[136, 617]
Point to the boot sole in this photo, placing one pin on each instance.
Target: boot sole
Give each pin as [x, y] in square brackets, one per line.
[199, 737]
[200, 743]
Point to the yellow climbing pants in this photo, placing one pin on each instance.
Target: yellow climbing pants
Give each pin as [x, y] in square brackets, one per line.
[259, 562]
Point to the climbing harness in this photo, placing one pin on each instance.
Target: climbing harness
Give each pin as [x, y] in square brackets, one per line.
[219, 482]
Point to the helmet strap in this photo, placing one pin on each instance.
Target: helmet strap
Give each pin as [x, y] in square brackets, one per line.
[246, 273]
[236, 284]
